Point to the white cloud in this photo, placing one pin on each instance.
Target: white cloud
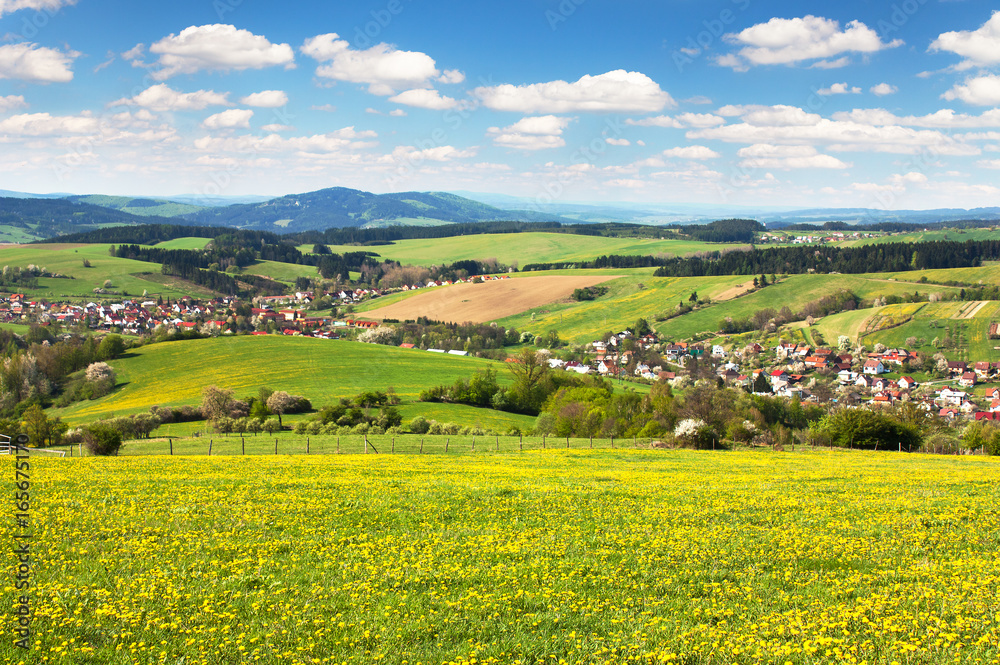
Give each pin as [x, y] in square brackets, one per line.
[44, 124]
[979, 91]
[613, 91]
[409, 154]
[619, 142]
[383, 68]
[700, 120]
[8, 6]
[451, 76]
[424, 98]
[269, 99]
[792, 126]
[913, 177]
[627, 183]
[340, 143]
[766, 156]
[327, 108]
[229, 119]
[883, 89]
[980, 47]
[691, 152]
[271, 129]
[397, 113]
[839, 89]
[161, 97]
[30, 62]
[11, 102]
[788, 41]
[532, 133]
[944, 118]
[657, 121]
[989, 163]
[217, 47]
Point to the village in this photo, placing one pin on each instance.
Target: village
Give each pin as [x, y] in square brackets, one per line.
[880, 377]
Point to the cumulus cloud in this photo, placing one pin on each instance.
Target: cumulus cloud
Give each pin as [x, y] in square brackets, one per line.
[44, 124]
[790, 41]
[229, 119]
[619, 142]
[39, 64]
[340, 142]
[268, 99]
[8, 6]
[411, 155]
[217, 47]
[11, 102]
[787, 125]
[382, 67]
[161, 97]
[272, 128]
[839, 89]
[657, 121]
[532, 133]
[978, 91]
[883, 89]
[615, 91]
[980, 48]
[944, 118]
[451, 76]
[766, 156]
[691, 152]
[424, 98]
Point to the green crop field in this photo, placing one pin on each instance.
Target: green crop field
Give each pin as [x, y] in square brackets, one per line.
[524, 248]
[538, 557]
[952, 235]
[174, 373]
[941, 320]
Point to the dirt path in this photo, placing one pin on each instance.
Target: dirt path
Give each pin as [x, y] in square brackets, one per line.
[734, 292]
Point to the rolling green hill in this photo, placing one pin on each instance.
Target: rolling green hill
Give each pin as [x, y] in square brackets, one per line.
[174, 373]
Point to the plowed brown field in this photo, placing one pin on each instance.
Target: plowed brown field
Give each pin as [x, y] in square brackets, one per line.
[486, 302]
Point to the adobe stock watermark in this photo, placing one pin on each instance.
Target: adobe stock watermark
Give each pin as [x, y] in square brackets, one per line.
[588, 154]
[562, 12]
[365, 35]
[452, 119]
[714, 29]
[31, 26]
[899, 16]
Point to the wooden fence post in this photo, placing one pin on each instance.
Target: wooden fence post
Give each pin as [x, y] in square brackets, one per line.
[591, 441]
[543, 442]
[244, 446]
[473, 443]
[421, 444]
[498, 443]
[448, 441]
[366, 443]
[275, 445]
[209, 447]
[612, 441]
[171, 445]
[307, 445]
[338, 445]
[567, 442]
[393, 445]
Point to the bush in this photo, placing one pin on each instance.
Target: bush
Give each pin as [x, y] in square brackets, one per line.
[419, 425]
[102, 439]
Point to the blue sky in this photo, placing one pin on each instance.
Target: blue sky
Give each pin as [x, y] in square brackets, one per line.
[741, 102]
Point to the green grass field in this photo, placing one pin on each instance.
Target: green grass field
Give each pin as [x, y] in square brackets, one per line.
[537, 557]
[184, 243]
[66, 259]
[282, 272]
[523, 248]
[174, 373]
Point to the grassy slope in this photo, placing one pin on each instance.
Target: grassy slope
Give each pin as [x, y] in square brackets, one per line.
[283, 272]
[124, 274]
[184, 243]
[523, 248]
[174, 373]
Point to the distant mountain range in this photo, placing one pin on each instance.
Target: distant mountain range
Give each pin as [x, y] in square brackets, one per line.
[49, 215]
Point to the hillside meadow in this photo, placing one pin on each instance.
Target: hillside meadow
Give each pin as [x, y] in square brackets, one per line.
[174, 374]
[524, 248]
[543, 556]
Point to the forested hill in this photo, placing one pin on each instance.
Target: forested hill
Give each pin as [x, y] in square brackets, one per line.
[339, 207]
[47, 218]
